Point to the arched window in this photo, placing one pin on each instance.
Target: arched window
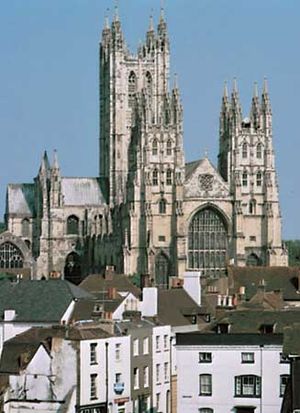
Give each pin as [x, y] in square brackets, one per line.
[245, 150]
[252, 207]
[253, 260]
[162, 206]
[169, 177]
[259, 178]
[161, 271]
[259, 151]
[245, 179]
[155, 177]
[131, 89]
[149, 83]
[28, 243]
[169, 147]
[207, 243]
[72, 225]
[72, 271]
[10, 256]
[25, 227]
[154, 146]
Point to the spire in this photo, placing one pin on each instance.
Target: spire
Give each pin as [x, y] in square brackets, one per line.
[265, 86]
[235, 104]
[55, 160]
[255, 108]
[225, 91]
[162, 11]
[265, 99]
[151, 25]
[116, 15]
[45, 163]
[106, 20]
[176, 81]
[162, 25]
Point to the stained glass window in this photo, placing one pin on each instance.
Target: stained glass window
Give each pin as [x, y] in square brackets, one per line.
[207, 243]
[10, 256]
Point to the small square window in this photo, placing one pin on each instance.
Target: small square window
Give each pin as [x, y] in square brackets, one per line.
[161, 238]
[205, 358]
[248, 358]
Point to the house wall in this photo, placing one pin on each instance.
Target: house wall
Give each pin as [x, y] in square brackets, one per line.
[105, 372]
[225, 365]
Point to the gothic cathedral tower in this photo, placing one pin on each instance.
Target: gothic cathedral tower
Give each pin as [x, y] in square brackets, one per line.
[247, 163]
[141, 149]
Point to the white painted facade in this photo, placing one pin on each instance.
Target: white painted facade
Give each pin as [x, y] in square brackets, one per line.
[226, 364]
[115, 350]
[47, 383]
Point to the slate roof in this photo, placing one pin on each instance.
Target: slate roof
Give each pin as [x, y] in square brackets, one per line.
[190, 167]
[250, 321]
[174, 305]
[20, 199]
[82, 191]
[40, 301]
[198, 338]
[285, 279]
[291, 345]
[96, 283]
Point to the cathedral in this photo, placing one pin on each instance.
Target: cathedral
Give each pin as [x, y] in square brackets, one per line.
[148, 211]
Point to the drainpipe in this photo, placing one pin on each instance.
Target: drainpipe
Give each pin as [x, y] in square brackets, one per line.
[171, 399]
[261, 377]
[106, 378]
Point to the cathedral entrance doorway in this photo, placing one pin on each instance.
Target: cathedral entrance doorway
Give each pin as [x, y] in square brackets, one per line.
[207, 243]
[72, 271]
[161, 271]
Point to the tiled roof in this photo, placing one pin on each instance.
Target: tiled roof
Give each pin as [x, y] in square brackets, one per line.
[174, 305]
[284, 279]
[85, 309]
[97, 283]
[20, 199]
[82, 191]
[45, 300]
[198, 338]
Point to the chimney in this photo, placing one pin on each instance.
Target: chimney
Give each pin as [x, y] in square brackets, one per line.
[111, 293]
[109, 272]
[9, 315]
[150, 302]
[145, 281]
[192, 285]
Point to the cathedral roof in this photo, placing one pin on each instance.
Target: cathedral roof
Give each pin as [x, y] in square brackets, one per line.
[82, 191]
[20, 199]
[190, 167]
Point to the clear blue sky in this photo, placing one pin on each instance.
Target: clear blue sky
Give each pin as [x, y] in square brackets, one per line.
[49, 79]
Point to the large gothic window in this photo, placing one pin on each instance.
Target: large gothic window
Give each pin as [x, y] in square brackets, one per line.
[10, 256]
[207, 243]
[161, 271]
[253, 260]
[72, 271]
[72, 225]
[169, 147]
[131, 89]
[169, 177]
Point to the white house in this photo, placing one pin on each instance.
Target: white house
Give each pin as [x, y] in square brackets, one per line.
[222, 373]
[105, 375]
[161, 359]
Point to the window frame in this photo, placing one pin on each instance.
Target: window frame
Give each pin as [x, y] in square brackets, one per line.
[205, 389]
[205, 357]
[93, 386]
[93, 354]
[241, 388]
[245, 360]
